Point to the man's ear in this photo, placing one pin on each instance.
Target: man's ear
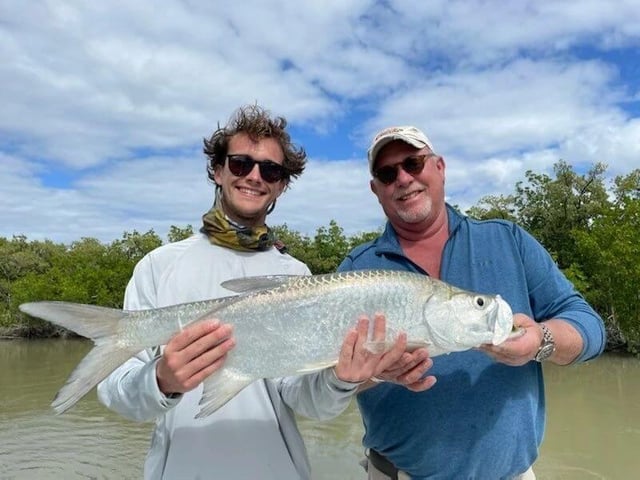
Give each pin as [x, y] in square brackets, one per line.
[441, 166]
[282, 187]
[373, 187]
[217, 173]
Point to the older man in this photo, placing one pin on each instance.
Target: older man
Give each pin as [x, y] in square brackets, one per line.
[485, 416]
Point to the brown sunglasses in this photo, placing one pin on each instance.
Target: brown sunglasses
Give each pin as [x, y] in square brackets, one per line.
[413, 165]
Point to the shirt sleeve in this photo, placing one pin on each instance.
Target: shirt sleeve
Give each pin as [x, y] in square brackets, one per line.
[552, 295]
[132, 389]
[320, 395]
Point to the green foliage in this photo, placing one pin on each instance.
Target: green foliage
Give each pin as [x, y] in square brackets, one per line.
[296, 243]
[363, 237]
[19, 258]
[492, 206]
[176, 233]
[324, 252]
[609, 253]
[553, 208]
[86, 271]
[134, 245]
[327, 249]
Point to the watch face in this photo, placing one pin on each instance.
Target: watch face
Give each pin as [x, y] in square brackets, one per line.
[545, 352]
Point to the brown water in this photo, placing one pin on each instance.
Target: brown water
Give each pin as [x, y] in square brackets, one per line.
[593, 429]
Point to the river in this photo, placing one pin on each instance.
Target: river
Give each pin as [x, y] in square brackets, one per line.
[593, 428]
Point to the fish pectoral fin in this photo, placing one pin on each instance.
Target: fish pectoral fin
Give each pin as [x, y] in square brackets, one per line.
[416, 344]
[257, 283]
[315, 367]
[380, 346]
[219, 388]
[377, 347]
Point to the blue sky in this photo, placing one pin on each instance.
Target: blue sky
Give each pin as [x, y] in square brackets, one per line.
[105, 104]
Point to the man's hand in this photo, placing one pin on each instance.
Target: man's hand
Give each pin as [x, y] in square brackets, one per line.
[409, 371]
[519, 350]
[358, 364]
[192, 355]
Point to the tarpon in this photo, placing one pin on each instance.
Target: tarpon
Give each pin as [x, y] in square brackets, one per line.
[283, 325]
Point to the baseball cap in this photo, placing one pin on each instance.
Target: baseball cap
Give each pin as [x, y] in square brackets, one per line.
[407, 134]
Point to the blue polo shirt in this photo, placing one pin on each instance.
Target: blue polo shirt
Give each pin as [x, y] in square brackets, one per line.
[482, 419]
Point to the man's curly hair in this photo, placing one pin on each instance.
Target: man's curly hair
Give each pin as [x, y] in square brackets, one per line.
[257, 123]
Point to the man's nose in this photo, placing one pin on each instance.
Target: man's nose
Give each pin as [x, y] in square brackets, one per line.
[403, 177]
[254, 174]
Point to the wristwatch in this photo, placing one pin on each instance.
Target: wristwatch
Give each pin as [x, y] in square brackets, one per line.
[547, 346]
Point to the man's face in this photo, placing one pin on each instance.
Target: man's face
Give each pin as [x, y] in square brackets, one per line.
[410, 199]
[245, 199]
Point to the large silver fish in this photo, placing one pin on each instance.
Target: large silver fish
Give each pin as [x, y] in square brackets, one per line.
[283, 325]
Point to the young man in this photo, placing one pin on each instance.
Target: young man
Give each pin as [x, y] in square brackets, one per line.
[484, 418]
[251, 161]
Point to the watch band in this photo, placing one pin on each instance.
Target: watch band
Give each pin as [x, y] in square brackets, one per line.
[547, 346]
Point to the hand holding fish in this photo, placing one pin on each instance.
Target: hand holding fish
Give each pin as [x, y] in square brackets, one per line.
[518, 349]
[192, 355]
[359, 360]
[410, 370]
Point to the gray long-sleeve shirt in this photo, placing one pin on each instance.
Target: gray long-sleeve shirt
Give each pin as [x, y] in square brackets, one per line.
[254, 435]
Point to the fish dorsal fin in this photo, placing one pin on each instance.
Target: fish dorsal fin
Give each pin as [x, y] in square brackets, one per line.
[256, 284]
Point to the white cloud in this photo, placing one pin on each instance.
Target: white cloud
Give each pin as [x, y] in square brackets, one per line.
[115, 98]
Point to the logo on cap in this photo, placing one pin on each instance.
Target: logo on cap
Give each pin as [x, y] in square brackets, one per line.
[387, 131]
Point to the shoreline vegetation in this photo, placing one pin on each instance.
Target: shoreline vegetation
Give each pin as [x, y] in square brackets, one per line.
[590, 229]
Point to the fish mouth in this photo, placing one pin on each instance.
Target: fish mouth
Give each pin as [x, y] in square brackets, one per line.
[502, 321]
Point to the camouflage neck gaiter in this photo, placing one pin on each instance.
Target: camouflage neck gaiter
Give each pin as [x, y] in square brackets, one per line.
[222, 231]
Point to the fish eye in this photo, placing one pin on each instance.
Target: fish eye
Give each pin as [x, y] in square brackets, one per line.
[479, 302]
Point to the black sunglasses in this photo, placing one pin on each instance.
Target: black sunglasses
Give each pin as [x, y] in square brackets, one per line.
[241, 166]
[413, 165]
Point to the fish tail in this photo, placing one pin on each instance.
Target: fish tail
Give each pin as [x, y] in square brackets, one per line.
[100, 324]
